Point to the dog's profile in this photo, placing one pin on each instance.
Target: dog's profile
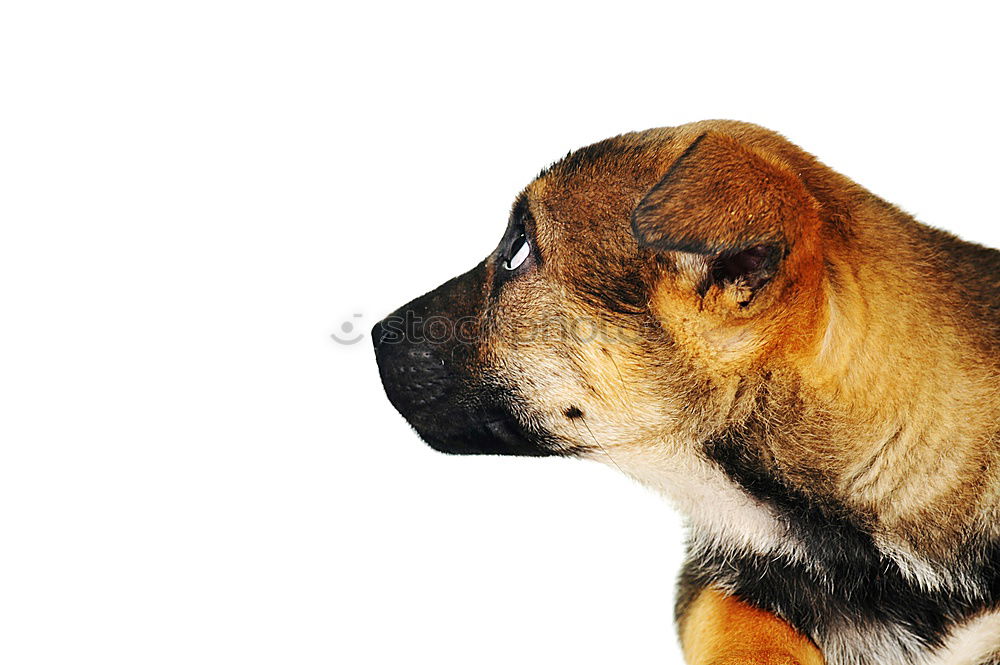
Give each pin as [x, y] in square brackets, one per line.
[811, 375]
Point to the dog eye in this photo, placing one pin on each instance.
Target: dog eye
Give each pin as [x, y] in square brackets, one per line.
[519, 251]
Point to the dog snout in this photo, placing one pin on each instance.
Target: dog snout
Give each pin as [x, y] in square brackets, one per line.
[432, 374]
[412, 375]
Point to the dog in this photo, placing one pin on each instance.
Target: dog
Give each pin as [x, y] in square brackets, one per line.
[808, 373]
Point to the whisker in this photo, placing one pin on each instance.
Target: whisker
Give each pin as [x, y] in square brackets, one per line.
[621, 378]
[603, 449]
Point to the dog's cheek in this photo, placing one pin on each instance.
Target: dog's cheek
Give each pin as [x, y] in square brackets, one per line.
[584, 383]
[538, 375]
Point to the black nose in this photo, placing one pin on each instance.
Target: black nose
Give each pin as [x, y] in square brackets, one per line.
[413, 374]
[379, 334]
[394, 330]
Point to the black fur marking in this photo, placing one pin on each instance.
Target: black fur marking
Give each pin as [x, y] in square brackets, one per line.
[626, 295]
[573, 413]
[520, 213]
[848, 583]
[621, 149]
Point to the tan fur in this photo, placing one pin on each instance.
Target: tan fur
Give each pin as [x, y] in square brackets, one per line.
[721, 630]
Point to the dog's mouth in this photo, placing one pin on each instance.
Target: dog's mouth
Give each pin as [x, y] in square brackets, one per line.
[506, 436]
[477, 432]
[507, 431]
[495, 436]
[457, 423]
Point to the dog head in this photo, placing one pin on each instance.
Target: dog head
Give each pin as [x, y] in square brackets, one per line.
[642, 284]
[807, 371]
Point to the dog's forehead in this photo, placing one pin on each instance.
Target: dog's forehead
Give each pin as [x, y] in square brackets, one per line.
[588, 196]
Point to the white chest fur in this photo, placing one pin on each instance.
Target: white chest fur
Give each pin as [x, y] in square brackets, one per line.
[724, 518]
[720, 514]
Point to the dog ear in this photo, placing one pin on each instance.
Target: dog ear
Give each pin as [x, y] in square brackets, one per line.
[742, 209]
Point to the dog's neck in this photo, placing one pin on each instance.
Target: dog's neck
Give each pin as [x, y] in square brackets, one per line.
[929, 421]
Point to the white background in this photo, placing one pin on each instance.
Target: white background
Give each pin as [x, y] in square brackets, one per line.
[195, 195]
